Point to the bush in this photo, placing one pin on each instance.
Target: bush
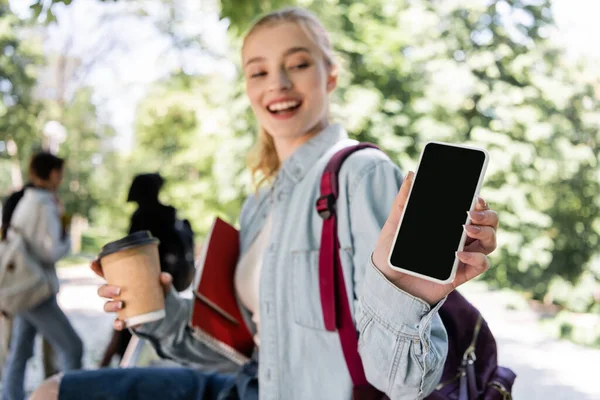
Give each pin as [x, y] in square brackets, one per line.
[94, 238]
[580, 297]
[583, 329]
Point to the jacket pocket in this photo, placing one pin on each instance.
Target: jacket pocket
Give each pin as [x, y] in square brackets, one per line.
[306, 293]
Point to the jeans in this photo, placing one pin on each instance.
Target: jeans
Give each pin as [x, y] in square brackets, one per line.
[52, 323]
[160, 383]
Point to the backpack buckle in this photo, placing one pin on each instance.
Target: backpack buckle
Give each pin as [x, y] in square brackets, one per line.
[506, 395]
[326, 206]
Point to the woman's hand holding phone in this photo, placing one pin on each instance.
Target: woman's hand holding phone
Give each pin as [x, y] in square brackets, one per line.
[481, 241]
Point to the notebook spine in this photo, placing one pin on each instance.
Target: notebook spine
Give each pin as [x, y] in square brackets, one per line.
[219, 347]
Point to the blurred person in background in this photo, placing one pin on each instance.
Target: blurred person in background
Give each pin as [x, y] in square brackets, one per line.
[38, 216]
[8, 208]
[176, 248]
[48, 356]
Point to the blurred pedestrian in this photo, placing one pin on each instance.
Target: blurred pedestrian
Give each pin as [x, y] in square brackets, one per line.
[38, 217]
[176, 248]
[48, 355]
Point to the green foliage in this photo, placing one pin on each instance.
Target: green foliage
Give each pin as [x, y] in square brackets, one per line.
[83, 151]
[109, 218]
[470, 71]
[242, 13]
[583, 329]
[42, 10]
[583, 296]
[74, 260]
[23, 116]
[481, 73]
[18, 108]
[196, 132]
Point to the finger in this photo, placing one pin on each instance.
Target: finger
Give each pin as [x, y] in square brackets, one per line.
[487, 217]
[166, 280]
[481, 204]
[109, 292]
[119, 325]
[486, 235]
[469, 240]
[474, 265]
[400, 201]
[113, 306]
[475, 247]
[97, 268]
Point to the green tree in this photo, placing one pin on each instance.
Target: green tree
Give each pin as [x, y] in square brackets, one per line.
[195, 132]
[475, 72]
[483, 73]
[19, 127]
[84, 150]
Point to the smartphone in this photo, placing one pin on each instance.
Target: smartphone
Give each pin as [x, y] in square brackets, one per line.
[447, 180]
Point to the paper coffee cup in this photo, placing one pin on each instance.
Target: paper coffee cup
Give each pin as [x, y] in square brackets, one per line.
[132, 263]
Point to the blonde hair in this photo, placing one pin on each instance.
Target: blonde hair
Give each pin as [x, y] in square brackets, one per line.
[263, 161]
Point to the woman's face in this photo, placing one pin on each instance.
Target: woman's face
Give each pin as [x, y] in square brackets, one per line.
[55, 179]
[287, 82]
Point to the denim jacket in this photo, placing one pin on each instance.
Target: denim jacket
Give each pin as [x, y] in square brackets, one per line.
[402, 341]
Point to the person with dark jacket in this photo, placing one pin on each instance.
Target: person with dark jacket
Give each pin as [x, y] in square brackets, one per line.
[151, 215]
[161, 220]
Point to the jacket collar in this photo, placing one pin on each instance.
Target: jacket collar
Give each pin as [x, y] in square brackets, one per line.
[39, 193]
[307, 155]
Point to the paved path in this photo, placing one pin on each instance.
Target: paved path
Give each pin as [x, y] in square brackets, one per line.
[78, 299]
[547, 369]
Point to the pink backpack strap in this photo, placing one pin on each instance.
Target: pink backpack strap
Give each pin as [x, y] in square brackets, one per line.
[334, 298]
[337, 315]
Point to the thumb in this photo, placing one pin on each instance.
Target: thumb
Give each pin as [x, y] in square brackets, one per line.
[400, 201]
[97, 268]
[166, 280]
[388, 231]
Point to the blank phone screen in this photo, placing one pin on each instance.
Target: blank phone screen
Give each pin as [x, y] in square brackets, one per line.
[432, 226]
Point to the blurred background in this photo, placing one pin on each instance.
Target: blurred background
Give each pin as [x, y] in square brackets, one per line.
[119, 87]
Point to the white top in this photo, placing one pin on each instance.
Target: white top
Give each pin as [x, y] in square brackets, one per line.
[247, 275]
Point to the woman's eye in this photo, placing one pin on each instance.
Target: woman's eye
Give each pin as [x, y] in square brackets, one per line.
[300, 66]
[258, 74]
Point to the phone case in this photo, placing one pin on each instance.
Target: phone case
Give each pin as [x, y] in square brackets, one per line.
[467, 219]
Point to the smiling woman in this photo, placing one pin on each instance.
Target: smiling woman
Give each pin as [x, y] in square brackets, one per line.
[290, 72]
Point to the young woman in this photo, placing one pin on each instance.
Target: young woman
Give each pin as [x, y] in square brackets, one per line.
[290, 72]
[38, 217]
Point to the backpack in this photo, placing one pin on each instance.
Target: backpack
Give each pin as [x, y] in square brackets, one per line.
[177, 254]
[8, 209]
[23, 284]
[471, 371]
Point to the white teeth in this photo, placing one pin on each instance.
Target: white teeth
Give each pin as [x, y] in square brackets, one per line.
[283, 105]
